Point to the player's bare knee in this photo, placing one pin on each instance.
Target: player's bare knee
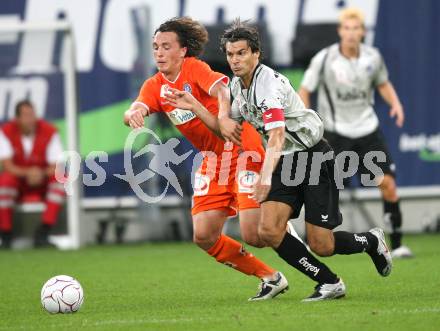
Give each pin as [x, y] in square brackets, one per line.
[263, 232]
[321, 247]
[253, 240]
[270, 235]
[250, 236]
[205, 240]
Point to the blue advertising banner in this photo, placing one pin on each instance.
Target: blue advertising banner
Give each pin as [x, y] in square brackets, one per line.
[111, 58]
[405, 35]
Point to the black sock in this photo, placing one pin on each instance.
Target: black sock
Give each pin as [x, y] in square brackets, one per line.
[296, 254]
[392, 214]
[347, 243]
[6, 239]
[44, 229]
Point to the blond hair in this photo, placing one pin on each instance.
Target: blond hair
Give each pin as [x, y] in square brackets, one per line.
[351, 13]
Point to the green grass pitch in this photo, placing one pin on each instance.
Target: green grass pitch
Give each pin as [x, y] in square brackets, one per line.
[176, 286]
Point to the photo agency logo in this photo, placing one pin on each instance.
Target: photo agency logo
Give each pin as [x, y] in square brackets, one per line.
[346, 165]
[162, 155]
[295, 167]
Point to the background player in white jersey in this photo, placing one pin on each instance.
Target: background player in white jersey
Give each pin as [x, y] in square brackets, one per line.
[346, 75]
[264, 98]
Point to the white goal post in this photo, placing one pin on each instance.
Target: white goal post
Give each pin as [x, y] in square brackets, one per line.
[67, 67]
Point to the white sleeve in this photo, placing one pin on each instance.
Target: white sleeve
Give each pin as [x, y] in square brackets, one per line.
[381, 75]
[312, 75]
[270, 91]
[54, 149]
[6, 151]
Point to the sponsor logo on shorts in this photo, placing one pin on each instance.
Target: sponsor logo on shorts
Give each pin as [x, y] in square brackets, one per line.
[246, 181]
[201, 184]
[308, 266]
[324, 218]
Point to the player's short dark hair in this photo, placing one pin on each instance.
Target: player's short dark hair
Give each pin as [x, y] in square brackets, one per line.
[190, 34]
[241, 31]
[21, 104]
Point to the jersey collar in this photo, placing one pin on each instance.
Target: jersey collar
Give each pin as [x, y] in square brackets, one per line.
[178, 75]
[257, 68]
[342, 54]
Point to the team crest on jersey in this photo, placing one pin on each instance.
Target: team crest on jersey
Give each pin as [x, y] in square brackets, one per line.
[246, 181]
[187, 88]
[370, 69]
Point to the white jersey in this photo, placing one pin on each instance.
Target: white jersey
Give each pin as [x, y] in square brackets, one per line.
[351, 84]
[272, 102]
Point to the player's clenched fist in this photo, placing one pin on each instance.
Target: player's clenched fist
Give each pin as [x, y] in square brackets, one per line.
[230, 130]
[134, 117]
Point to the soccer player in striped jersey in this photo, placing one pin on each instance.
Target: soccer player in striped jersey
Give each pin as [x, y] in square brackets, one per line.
[346, 75]
[294, 146]
[176, 44]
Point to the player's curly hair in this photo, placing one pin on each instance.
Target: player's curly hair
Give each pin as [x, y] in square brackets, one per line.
[242, 31]
[190, 33]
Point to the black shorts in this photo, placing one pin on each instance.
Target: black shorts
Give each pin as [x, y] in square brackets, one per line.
[362, 145]
[317, 191]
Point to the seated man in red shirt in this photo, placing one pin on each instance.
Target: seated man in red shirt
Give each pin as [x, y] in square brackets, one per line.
[29, 149]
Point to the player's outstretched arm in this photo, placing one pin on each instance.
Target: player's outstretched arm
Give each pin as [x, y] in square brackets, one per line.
[230, 129]
[134, 117]
[272, 157]
[389, 94]
[185, 100]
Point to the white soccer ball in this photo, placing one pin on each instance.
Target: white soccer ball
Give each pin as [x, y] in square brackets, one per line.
[62, 294]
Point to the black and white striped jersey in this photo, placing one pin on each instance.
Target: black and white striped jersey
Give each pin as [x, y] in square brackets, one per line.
[272, 102]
